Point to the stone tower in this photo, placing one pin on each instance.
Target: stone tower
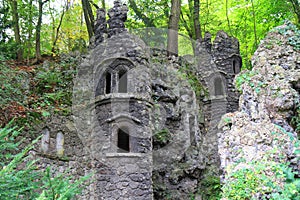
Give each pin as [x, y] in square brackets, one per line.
[116, 87]
[122, 136]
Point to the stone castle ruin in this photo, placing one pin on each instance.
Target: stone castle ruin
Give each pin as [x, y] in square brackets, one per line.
[139, 124]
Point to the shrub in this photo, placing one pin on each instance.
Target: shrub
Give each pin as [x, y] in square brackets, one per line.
[264, 178]
[20, 177]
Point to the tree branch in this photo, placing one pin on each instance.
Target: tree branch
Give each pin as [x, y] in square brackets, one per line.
[147, 21]
[95, 5]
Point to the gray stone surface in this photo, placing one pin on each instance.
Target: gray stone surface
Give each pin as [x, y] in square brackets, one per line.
[261, 126]
[137, 122]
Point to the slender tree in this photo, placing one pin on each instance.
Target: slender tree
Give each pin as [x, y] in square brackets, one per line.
[172, 46]
[88, 17]
[30, 30]
[227, 16]
[16, 28]
[103, 3]
[296, 8]
[197, 20]
[55, 33]
[38, 54]
[254, 25]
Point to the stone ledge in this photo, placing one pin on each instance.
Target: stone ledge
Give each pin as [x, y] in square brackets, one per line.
[113, 155]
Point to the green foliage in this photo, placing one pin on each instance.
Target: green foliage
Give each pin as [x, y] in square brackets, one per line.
[7, 144]
[156, 11]
[162, 137]
[7, 45]
[53, 85]
[73, 33]
[61, 187]
[245, 183]
[28, 94]
[12, 85]
[14, 88]
[244, 78]
[291, 30]
[20, 177]
[17, 177]
[252, 182]
[186, 72]
[211, 188]
[264, 178]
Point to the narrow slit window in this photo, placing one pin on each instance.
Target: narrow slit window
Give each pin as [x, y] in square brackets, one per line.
[123, 141]
[108, 83]
[122, 81]
[45, 140]
[60, 144]
[236, 66]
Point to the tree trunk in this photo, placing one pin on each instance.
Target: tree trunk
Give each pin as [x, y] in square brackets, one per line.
[254, 25]
[296, 7]
[227, 17]
[197, 20]
[190, 32]
[30, 29]
[38, 54]
[91, 15]
[53, 23]
[38, 33]
[88, 17]
[16, 27]
[53, 49]
[172, 46]
[103, 3]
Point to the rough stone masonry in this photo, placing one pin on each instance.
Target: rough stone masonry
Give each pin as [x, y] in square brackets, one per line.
[138, 123]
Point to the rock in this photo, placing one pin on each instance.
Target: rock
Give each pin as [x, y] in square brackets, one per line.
[260, 130]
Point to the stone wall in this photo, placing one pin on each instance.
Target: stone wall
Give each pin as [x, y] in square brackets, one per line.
[218, 62]
[167, 132]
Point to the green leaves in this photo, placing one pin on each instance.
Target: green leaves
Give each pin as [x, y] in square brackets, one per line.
[264, 178]
[244, 78]
[162, 137]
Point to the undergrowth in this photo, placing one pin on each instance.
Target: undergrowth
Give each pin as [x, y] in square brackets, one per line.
[31, 93]
[21, 178]
[264, 178]
[296, 120]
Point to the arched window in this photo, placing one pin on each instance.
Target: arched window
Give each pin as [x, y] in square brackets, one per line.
[122, 81]
[236, 65]
[218, 85]
[108, 83]
[123, 140]
[60, 144]
[45, 140]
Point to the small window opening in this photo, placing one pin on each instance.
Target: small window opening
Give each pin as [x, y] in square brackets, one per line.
[45, 140]
[108, 83]
[123, 141]
[236, 67]
[60, 144]
[219, 90]
[122, 81]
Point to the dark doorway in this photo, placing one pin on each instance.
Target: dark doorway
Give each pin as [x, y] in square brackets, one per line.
[123, 141]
